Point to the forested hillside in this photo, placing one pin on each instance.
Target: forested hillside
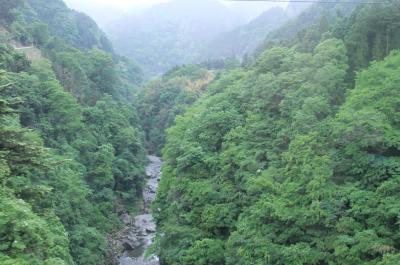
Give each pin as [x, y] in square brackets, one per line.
[294, 159]
[71, 149]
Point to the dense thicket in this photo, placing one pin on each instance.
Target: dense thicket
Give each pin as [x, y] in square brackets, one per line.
[292, 160]
[164, 98]
[53, 17]
[71, 149]
[369, 32]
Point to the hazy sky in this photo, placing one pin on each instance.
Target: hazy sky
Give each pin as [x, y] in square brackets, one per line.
[122, 4]
[105, 11]
[115, 4]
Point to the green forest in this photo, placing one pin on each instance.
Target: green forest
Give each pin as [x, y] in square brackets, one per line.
[71, 149]
[288, 156]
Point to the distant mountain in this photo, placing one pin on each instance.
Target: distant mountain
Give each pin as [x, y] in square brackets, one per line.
[171, 33]
[294, 9]
[250, 10]
[246, 38]
[309, 22]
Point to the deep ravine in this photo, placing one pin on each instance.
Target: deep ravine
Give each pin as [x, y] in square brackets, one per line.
[143, 227]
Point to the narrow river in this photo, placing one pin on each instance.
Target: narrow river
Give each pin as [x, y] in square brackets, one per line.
[143, 226]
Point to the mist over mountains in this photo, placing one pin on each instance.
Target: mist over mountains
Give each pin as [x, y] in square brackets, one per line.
[171, 33]
[244, 39]
[180, 32]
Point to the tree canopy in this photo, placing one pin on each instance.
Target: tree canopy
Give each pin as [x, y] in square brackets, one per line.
[293, 159]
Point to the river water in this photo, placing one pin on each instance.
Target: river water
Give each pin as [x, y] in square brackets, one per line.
[143, 226]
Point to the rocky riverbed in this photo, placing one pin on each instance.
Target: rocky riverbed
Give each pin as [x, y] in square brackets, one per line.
[140, 230]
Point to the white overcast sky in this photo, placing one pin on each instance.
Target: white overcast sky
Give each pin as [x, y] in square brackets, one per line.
[115, 4]
[105, 11]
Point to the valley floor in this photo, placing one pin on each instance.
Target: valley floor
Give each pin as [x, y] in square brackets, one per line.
[143, 227]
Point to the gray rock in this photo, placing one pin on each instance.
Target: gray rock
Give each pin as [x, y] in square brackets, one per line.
[128, 245]
[126, 219]
[139, 231]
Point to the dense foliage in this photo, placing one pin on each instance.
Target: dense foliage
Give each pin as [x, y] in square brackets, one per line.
[71, 149]
[74, 28]
[292, 160]
[163, 99]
